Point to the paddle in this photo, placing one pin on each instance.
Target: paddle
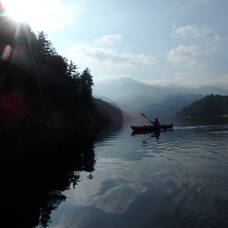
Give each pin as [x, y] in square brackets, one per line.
[146, 117]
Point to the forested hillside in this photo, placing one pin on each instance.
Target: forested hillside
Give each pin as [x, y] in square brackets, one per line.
[37, 85]
[209, 106]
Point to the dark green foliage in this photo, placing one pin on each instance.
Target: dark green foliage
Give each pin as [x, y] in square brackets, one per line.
[86, 83]
[43, 50]
[211, 105]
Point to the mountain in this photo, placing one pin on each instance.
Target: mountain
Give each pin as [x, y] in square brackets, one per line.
[181, 99]
[211, 105]
[134, 96]
[111, 112]
[135, 99]
[116, 89]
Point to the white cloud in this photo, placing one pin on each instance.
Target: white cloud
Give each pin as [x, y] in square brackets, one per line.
[194, 31]
[184, 54]
[220, 81]
[181, 80]
[186, 79]
[108, 58]
[111, 77]
[109, 39]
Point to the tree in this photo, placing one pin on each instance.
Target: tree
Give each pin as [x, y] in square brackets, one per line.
[44, 49]
[58, 64]
[72, 70]
[86, 83]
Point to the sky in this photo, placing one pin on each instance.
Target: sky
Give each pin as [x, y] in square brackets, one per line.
[178, 42]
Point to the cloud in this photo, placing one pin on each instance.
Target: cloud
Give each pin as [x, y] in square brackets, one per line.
[184, 54]
[108, 58]
[178, 81]
[188, 80]
[111, 77]
[109, 39]
[220, 81]
[194, 31]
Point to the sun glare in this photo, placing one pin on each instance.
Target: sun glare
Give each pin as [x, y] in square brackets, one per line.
[39, 14]
[22, 10]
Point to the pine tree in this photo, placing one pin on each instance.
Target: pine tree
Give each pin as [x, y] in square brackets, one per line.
[44, 49]
[86, 87]
[72, 70]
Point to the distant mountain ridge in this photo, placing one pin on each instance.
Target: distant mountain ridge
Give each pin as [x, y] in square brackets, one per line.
[181, 99]
[115, 89]
[211, 105]
[134, 96]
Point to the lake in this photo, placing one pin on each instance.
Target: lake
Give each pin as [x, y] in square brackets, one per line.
[115, 179]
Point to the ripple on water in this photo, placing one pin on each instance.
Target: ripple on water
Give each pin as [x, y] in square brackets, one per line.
[197, 206]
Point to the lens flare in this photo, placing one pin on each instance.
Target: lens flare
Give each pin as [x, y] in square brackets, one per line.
[40, 15]
[6, 53]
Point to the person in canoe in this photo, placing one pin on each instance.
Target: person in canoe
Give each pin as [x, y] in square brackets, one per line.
[156, 122]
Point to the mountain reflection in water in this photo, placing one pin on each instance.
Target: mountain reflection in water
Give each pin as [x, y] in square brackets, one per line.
[36, 167]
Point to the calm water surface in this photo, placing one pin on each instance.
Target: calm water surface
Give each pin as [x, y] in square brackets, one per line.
[177, 179]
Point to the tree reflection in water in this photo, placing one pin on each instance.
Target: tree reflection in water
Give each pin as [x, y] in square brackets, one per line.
[36, 167]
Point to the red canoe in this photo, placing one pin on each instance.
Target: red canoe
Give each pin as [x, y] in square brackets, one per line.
[146, 128]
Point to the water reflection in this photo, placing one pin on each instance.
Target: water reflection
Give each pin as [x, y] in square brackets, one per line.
[155, 134]
[178, 180]
[200, 121]
[154, 194]
[36, 167]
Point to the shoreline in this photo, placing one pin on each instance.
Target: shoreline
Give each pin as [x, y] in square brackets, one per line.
[208, 117]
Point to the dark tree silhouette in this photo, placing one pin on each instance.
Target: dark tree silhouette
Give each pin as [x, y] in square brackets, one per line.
[86, 87]
[72, 70]
[44, 50]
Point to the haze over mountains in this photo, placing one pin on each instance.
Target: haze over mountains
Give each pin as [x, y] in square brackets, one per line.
[134, 97]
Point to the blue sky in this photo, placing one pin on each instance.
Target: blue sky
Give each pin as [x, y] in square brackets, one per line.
[158, 42]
